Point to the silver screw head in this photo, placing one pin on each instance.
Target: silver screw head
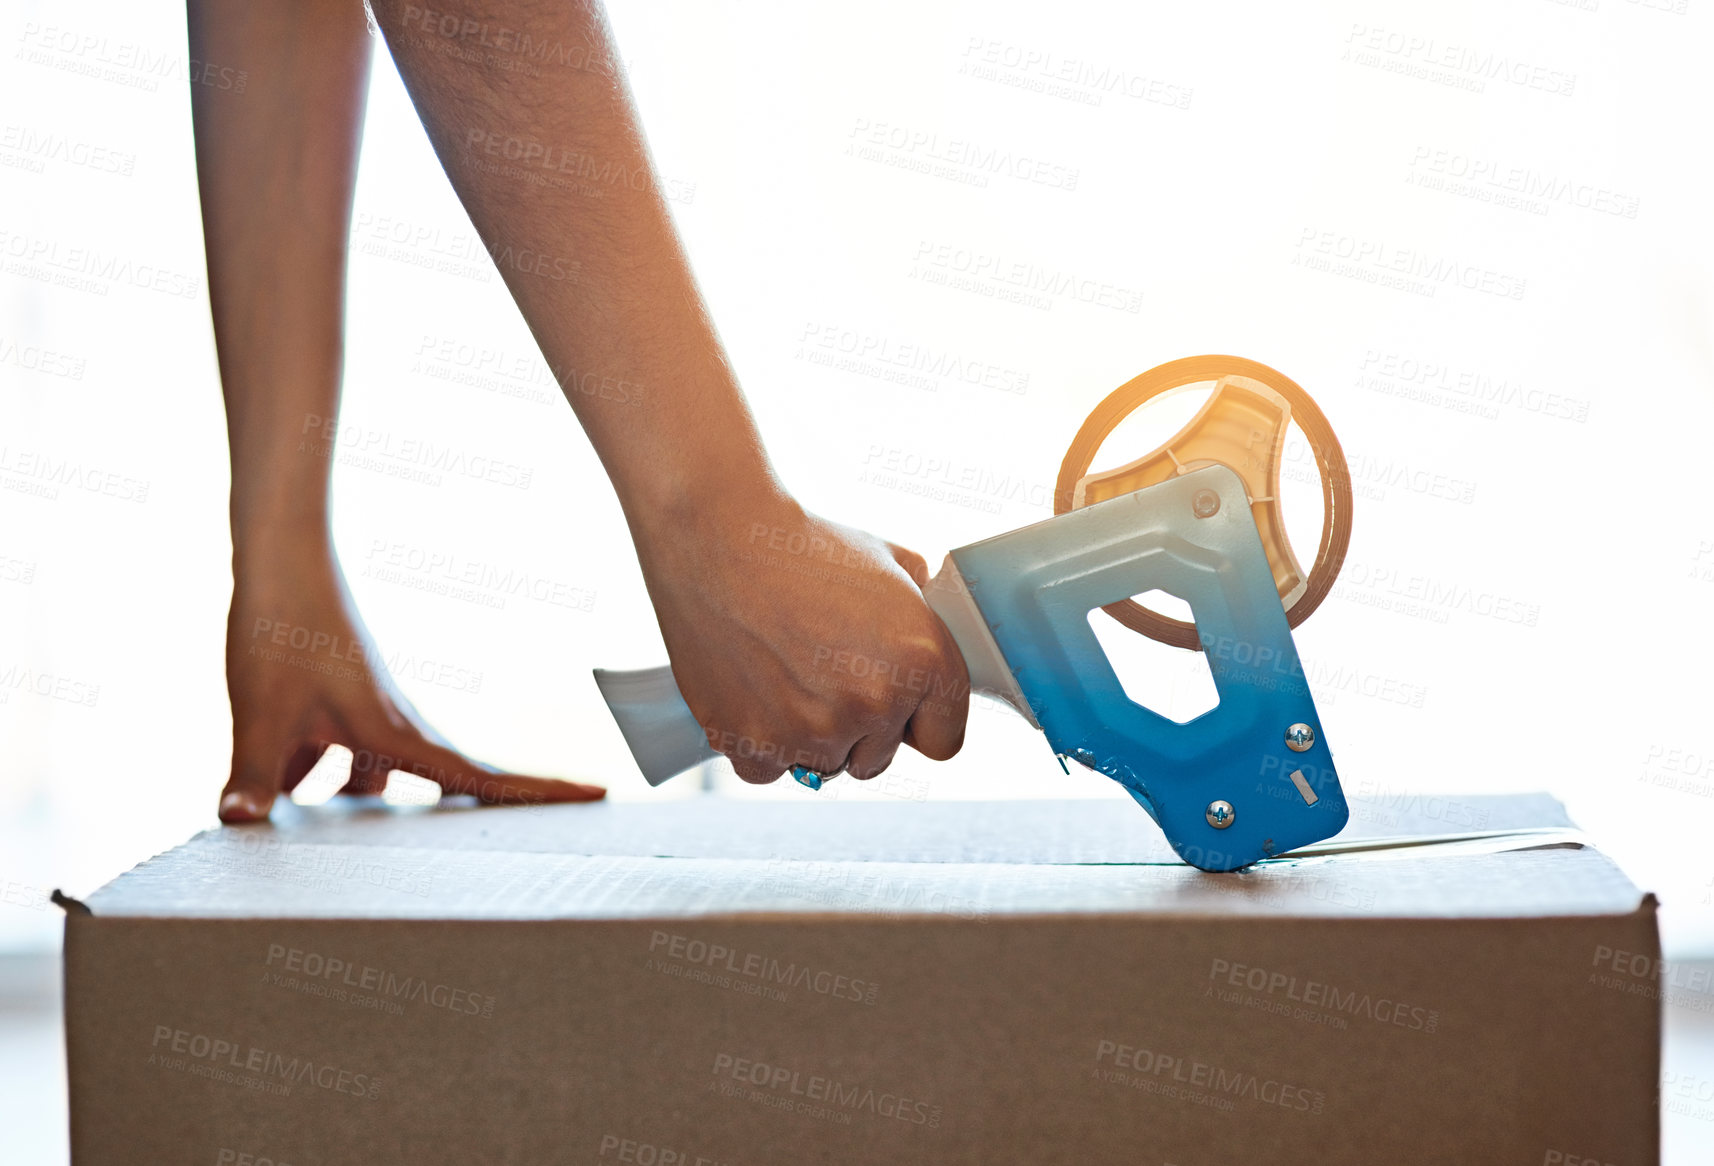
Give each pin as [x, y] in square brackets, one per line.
[1205, 504]
[1220, 814]
[1299, 737]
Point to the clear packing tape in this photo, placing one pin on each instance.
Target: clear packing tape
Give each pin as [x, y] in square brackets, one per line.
[1243, 426]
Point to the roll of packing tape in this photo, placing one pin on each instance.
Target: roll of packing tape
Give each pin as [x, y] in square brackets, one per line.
[1242, 425]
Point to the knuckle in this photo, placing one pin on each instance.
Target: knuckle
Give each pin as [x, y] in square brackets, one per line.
[923, 647]
[821, 722]
[871, 769]
[870, 710]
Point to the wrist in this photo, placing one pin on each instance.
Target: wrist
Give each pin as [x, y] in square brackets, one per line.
[707, 501]
[280, 550]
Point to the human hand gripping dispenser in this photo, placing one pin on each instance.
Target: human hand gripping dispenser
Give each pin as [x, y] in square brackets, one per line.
[1198, 518]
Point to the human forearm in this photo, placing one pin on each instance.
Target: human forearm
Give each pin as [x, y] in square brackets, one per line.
[547, 154]
[276, 162]
[529, 112]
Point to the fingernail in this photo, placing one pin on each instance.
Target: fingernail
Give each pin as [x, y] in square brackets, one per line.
[240, 806]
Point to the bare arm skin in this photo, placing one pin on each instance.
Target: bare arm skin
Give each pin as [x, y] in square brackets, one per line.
[763, 606]
[276, 165]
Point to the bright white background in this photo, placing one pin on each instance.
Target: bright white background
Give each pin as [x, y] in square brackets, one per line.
[1551, 525]
[1563, 494]
[786, 140]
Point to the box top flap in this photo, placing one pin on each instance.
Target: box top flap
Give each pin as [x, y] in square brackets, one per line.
[716, 856]
[1032, 832]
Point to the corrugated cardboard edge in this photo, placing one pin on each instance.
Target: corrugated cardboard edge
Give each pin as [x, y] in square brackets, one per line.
[78, 920]
[70, 905]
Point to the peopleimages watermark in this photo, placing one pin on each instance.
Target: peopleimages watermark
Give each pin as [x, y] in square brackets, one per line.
[1702, 562]
[1068, 78]
[19, 571]
[1315, 1001]
[343, 658]
[615, 1148]
[1426, 597]
[362, 985]
[47, 361]
[749, 972]
[1674, 768]
[874, 674]
[1242, 661]
[230, 1157]
[264, 855]
[52, 685]
[1462, 389]
[941, 479]
[1635, 973]
[545, 164]
[14, 893]
[124, 63]
[1198, 1082]
[1409, 269]
[906, 787]
[513, 49]
[1331, 889]
[1687, 1095]
[453, 252]
[90, 269]
[779, 548]
[1369, 475]
[1381, 804]
[258, 1069]
[956, 159]
[782, 1087]
[25, 148]
[1016, 280]
[421, 245]
[413, 458]
[902, 362]
[1458, 66]
[838, 886]
[450, 574]
[517, 374]
[42, 475]
[1516, 187]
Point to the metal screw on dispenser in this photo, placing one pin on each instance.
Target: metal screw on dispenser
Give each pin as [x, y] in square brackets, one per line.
[1205, 504]
[1299, 737]
[1220, 814]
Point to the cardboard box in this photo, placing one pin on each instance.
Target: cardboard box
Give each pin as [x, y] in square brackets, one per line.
[715, 982]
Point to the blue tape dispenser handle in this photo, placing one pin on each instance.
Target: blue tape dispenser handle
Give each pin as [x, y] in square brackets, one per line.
[1251, 778]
